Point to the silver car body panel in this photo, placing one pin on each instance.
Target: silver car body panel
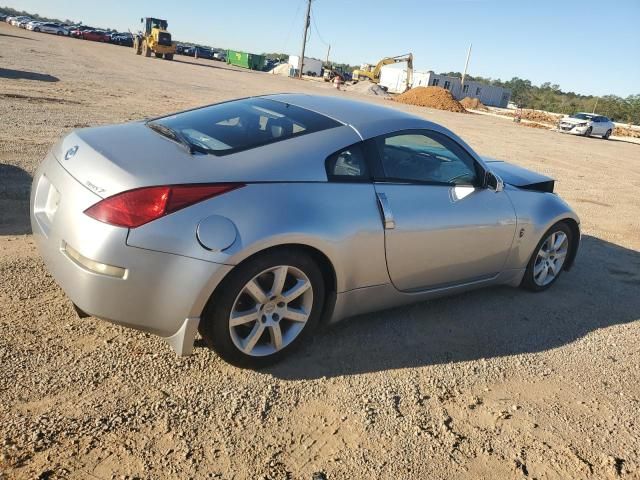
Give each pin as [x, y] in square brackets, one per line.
[422, 242]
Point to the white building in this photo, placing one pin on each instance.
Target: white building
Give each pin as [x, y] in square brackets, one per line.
[311, 66]
[395, 80]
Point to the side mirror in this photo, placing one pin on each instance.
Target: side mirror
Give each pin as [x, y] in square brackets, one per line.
[494, 182]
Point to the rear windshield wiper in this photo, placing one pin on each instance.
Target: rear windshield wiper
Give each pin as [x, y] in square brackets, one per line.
[176, 136]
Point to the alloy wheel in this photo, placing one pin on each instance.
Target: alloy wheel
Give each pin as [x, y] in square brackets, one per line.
[271, 310]
[550, 258]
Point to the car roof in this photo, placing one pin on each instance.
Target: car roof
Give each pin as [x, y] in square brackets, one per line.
[368, 119]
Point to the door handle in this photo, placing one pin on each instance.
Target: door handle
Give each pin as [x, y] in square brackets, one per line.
[387, 215]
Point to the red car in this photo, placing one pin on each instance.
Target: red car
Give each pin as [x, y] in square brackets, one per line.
[78, 31]
[96, 36]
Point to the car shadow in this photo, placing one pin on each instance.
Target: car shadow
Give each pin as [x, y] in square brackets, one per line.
[15, 187]
[26, 75]
[17, 36]
[217, 65]
[600, 291]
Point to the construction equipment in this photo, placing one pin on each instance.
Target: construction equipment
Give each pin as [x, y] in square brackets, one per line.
[331, 72]
[155, 39]
[374, 74]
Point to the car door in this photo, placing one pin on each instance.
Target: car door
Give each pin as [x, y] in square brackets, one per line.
[443, 226]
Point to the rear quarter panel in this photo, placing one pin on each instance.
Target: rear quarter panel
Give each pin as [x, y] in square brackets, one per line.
[339, 219]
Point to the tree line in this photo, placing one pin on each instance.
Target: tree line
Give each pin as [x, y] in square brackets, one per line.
[550, 97]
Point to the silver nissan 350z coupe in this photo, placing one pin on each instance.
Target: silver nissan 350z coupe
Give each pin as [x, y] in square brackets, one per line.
[253, 221]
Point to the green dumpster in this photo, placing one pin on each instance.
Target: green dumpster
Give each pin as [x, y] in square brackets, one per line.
[245, 60]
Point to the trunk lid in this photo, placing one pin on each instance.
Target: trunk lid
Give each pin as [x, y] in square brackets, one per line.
[111, 159]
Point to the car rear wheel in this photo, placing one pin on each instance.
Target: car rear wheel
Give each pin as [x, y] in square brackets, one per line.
[264, 309]
[587, 132]
[36, 29]
[607, 135]
[58, 33]
[548, 259]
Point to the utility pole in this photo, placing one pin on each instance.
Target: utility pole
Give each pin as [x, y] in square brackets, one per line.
[596, 105]
[328, 51]
[464, 74]
[307, 22]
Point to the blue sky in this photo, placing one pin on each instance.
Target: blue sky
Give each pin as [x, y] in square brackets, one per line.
[587, 46]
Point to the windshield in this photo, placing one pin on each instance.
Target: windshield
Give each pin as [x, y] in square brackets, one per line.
[583, 116]
[242, 124]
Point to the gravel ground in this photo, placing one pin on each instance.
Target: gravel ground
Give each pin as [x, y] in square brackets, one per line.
[497, 383]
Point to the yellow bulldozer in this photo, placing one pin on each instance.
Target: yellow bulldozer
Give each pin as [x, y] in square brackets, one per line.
[373, 74]
[154, 40]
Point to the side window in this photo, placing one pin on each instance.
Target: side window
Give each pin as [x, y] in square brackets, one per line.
[347, 164]
[426, 156]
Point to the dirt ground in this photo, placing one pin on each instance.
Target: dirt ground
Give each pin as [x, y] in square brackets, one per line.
[498, 383]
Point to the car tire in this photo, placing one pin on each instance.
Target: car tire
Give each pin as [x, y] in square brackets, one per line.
[261, 334]
[36, 29]
[587, 132]
[607, 135]
[543, 256]
[58, 33]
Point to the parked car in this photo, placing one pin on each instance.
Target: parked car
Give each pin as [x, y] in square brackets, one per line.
[587, 124]
[77, 32]
[21, 22]
[3, 18]
[220, 56]
[256, 220]
[95, 35]
[122, 39]
[32, 24]
[203, 52]
[50, 28]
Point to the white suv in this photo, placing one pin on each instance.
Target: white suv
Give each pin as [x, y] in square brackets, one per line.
[586, 124]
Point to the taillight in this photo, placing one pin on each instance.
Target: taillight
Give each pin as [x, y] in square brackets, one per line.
[136, 207]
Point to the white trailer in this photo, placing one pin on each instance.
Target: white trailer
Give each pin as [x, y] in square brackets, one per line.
[394, 78]
[310, 66]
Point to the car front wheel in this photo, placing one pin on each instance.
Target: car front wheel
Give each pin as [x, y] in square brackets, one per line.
[264, 308]
[607, 135]
[587, 132]
[548, 259]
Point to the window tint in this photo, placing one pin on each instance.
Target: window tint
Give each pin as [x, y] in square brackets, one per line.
[242, 124]
[426, 157]
[348, 164]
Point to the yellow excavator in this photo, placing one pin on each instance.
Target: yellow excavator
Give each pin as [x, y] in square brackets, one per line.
[155, 39]
[374, 73]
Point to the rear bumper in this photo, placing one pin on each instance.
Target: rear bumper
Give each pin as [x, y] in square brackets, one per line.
[156, 292]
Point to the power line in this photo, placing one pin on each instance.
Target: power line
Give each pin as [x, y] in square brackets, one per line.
[295, 17]
[313, 19]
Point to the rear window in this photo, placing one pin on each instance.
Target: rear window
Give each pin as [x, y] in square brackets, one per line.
[243, 124]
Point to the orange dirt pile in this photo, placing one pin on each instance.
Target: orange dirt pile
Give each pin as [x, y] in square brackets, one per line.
[536, 116]
[534, 125]
[626, 132]
[473, 104]
[432, 97]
